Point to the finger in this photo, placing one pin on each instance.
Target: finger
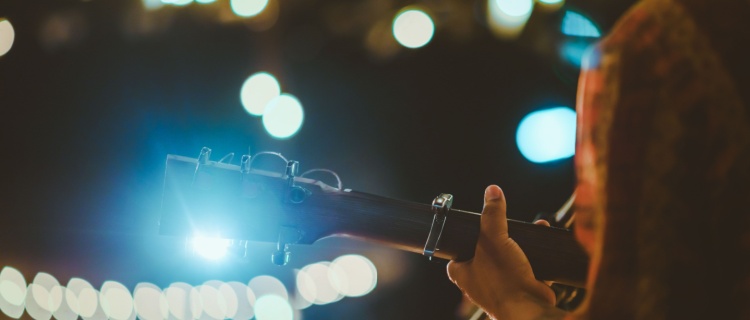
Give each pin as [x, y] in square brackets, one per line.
[542, 222]
[494, 220]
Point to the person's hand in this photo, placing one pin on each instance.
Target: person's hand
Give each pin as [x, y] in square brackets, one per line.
[499, 278]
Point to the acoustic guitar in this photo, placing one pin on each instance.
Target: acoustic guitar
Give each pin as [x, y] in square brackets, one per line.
[216, 198]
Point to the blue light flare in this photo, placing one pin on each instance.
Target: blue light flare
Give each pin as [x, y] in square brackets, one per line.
[210, 248]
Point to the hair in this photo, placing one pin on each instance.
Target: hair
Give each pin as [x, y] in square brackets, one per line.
[671, 141]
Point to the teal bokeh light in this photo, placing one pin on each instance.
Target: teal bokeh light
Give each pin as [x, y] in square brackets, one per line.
[547, 135]
[576, 25]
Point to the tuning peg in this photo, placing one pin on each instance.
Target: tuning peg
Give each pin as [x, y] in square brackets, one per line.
[204, 155]
[292, 168]
[281, 257]
[287, 235]
[238, 248]
[245, 163]
[201, 179]
[295, 194]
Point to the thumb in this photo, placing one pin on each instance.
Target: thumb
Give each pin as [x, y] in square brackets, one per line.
[494, 219]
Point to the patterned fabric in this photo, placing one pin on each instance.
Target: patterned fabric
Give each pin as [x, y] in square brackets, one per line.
[663, 162]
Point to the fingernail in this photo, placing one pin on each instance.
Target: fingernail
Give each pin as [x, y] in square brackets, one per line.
[492, 192]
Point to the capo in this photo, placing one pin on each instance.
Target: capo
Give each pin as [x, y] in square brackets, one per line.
[440, 207]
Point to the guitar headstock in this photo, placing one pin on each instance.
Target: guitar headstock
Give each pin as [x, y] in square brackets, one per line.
[216, 199]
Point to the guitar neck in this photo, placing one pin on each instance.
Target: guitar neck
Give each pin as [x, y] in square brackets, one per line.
[219, 199]
[554, 253]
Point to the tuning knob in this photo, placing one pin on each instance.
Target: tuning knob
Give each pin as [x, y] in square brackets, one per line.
[281, 257]
[287, 235]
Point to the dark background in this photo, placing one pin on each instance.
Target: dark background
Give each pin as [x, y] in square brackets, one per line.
[86, 124]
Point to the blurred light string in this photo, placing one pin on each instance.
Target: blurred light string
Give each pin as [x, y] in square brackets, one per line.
[263, 297]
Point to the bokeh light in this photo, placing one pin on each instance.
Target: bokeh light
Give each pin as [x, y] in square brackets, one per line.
[149, 302]
[267, 285]
[507, 18]
[515, 8]
[152, 4]
[205, 1]
[178, 300]
[283, 116]
[257, 91]
[12, 292]
[44, 296]
[228, 295]
[64, 311]
[51, 295]
[353, 275]
[577, 25]
[181, 2]
[245, 301]
[574, 50]
[83, 299]
[210, 248]
[273, 307]
[306, 288]
[194, 302]
[34, 295]
[116, 301]
[324, 290]
[550, 5]
[547, 135]
[7, 36]
[248, 8]
[413, 28]
[213, 302]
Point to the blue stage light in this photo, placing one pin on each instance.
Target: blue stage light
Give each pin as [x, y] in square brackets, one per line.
[210, 248]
